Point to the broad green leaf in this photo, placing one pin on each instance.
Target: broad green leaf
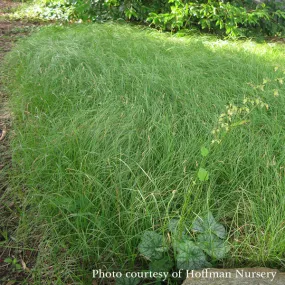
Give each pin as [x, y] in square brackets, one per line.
[127, 281]
[208, 224]
[8, 260]
[203, 174]
[189, 256]
[151, 245]
[173, 224]
[175, 229]
[161, 265]
[204, 151]
[213, 246]
[18, 267]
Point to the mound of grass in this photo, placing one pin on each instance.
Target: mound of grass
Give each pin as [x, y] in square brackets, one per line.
[109, 123]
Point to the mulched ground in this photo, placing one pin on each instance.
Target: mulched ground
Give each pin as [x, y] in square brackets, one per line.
[17, 272]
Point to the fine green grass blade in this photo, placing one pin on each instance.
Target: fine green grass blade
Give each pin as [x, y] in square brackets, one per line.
[109, 122]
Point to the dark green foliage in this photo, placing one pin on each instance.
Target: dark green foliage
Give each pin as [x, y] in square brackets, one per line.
[232, 18]
[207, 224]
[152, 245]
[137, 10]
[161, 265]
[186, 253]
[212, 245]
[127, 281]
[229, 18]
[190, 256]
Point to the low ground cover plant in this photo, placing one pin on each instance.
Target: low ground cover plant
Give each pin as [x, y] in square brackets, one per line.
[181, 251]
[119, 130]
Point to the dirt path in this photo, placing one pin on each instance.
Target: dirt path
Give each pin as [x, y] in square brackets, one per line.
[15, 271]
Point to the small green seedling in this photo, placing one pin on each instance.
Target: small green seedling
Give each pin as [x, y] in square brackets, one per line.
[204, 151]
[14, 263]
[203, 174]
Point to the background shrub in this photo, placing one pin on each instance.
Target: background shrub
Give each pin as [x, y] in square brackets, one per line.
[233, 18]
[230, 18]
